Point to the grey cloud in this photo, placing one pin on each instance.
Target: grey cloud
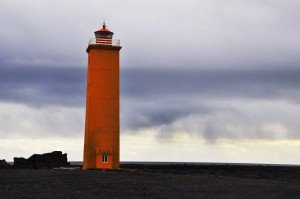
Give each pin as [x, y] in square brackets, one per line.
[265, 84]
[66, 85]
[158, 98]
[237, 124]
[42, 86]
[195, 34]
[166, 100]
[136, 114]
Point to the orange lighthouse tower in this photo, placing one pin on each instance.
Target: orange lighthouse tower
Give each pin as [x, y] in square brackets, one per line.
[102, 123]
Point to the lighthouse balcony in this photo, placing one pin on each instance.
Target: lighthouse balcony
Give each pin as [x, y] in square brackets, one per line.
[108, 42]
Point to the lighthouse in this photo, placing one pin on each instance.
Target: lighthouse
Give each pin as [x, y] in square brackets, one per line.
[102, 122]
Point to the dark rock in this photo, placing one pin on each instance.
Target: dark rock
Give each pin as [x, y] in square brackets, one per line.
[4, 164]
[22, 163]
[42, 161]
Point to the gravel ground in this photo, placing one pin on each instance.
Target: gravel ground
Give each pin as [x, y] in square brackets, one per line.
[152, 182]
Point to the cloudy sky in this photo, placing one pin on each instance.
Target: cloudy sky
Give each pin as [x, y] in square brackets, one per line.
[201, 81]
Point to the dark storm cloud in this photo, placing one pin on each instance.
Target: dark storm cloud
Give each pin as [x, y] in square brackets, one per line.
[137, 115]
[155, 83]
[66, 85]
[42, 86]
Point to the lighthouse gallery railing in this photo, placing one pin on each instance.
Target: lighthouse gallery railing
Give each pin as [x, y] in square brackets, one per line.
[115, 42]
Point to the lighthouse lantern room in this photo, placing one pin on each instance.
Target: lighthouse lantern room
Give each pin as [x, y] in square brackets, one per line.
[104, 35]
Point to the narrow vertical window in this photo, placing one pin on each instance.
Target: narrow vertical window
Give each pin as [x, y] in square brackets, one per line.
[104, 158]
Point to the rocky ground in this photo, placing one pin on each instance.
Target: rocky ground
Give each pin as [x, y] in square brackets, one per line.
[153, 181]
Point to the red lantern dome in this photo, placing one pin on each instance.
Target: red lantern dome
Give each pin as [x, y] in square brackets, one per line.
[104, 35]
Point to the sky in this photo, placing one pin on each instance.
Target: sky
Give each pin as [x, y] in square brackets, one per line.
[201, 81]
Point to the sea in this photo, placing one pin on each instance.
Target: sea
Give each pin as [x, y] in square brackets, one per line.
[79, 163]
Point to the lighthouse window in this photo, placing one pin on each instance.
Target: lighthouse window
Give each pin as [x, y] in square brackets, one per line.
[104, 158]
